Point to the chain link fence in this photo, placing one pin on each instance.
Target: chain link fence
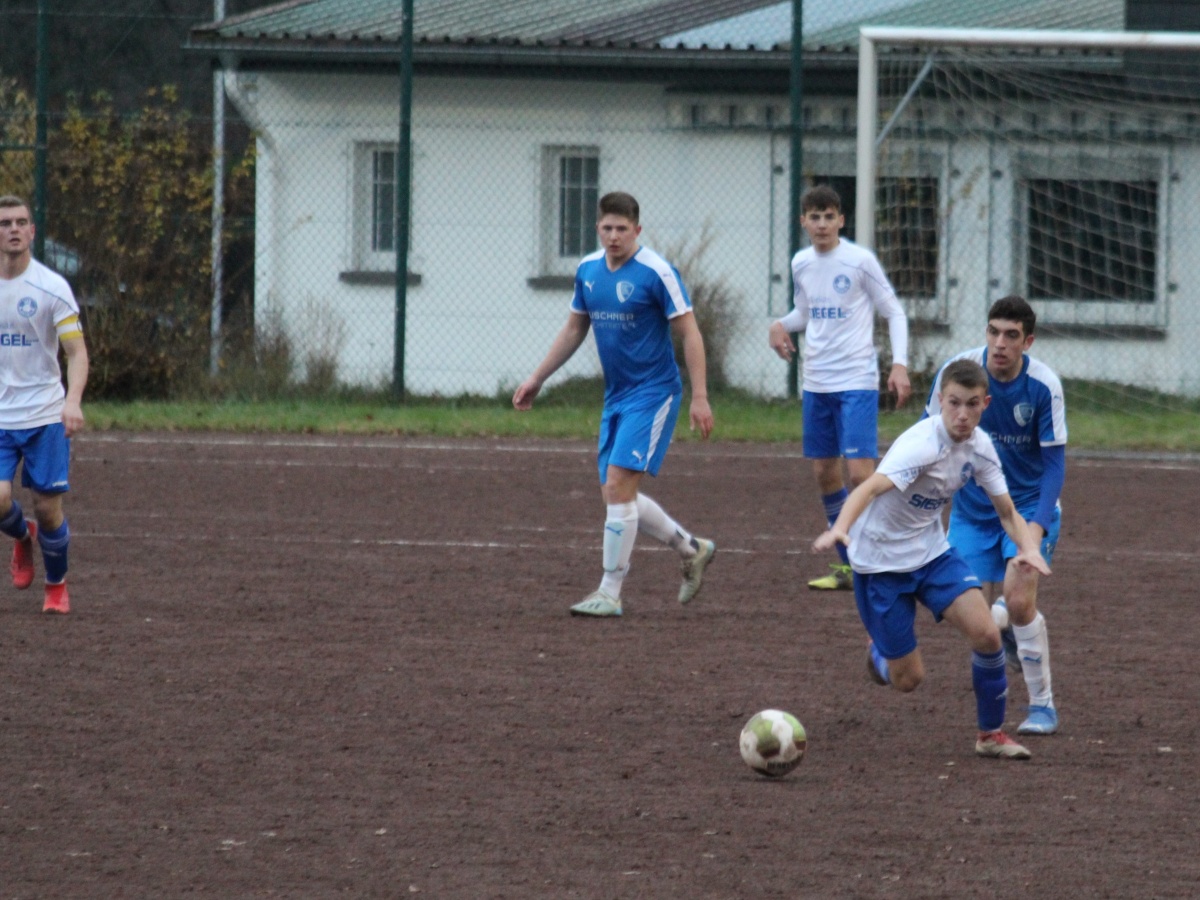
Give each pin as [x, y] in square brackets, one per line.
[507, 167]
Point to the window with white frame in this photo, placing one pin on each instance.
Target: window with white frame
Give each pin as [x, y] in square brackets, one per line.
[1090, 245]
[570, 193]
[375, 198]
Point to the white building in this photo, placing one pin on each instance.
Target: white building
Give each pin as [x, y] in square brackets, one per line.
[523, 113]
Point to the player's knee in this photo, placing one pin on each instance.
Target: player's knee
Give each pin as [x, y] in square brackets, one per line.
[906, 675]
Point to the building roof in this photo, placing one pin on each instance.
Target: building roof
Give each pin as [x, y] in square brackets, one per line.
[645, 27]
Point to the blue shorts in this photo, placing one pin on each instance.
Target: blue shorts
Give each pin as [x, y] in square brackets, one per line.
[636, 431]
[843, 423]
[987, 548]
[887, 601]
[47, 454]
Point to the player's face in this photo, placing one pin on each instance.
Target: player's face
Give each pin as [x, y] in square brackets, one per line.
[962, 408]
[618, 237]
[16, 230]
[822, 227]
[1006, 343]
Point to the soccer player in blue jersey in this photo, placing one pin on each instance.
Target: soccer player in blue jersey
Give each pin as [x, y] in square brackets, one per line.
[38, 314]
[892, 525]
[838, 287]
[632, 300]
[1027, 422]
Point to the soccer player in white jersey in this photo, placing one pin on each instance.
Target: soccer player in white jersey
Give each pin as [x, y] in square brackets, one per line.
[838, 287]
[632, 300]
[1027, 421]
[38, 314]
[900, 556]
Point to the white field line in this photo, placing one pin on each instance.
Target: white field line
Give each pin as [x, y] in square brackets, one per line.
[799, 549]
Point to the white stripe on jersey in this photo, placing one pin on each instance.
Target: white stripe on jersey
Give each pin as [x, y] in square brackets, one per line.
[666, 272]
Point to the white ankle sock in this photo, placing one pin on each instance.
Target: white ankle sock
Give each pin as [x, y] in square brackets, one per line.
[654, 521]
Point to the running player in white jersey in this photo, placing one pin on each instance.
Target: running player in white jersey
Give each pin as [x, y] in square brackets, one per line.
[900, 556]
[1027, 421]
[38, 314]
[838, 288]
[632, 300]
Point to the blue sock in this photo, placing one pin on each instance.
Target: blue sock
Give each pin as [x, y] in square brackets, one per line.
[54, 546]
[14, 523]
[833, 506]
[991, 688]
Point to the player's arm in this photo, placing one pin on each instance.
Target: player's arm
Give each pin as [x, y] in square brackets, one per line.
[779, 334]
[1054, 474]
[1029, 549]
[860, 498]
[700, 414]
[566, 342]
[887, 304]
[75, 350]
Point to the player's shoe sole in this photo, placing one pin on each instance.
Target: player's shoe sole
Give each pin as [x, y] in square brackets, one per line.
[22, 559]
[840, 579]
[998, 745]
[1041, 720]
[57, 601]
[597, 604]
[693, 569]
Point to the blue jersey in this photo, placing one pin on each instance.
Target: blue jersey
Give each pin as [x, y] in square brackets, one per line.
[630, 312]
[1025, 415]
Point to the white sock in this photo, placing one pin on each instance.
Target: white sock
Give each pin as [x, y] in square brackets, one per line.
[1033, 646]
[620, 533]
[654, 521]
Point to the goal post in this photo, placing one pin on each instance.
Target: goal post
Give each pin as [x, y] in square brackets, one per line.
[1058, 165]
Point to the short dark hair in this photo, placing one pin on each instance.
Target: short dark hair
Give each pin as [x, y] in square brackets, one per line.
[1014, 309]
[8, 200]
[820, 197]
[965, 373]
[619, 203]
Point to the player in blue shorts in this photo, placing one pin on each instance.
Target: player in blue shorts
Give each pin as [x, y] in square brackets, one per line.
[632, 300]
[1027, 422]
[38, 314]
[898, 550]
[838, 287]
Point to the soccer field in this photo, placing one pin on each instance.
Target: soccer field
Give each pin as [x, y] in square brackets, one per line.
[319, 666]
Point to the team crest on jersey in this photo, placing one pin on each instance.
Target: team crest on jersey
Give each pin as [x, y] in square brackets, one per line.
[624, 290]
[1023, 413]
[967, 473]
[841, 284]
[26, 307]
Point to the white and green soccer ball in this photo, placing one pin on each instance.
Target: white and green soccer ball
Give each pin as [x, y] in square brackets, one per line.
[773, 742]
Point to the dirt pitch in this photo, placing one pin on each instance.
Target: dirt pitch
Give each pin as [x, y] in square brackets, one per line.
[316, 667]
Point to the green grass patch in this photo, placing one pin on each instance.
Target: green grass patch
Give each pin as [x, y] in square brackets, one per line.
[1099, 417]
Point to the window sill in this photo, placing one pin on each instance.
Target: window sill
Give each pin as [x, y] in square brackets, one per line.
[360, 276]
[551, 282]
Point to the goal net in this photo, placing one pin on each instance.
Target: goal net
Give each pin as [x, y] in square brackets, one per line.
[1060, 166]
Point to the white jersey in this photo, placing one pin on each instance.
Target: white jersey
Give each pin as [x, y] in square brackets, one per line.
[836, 296]
[901, 530]
[36, 309]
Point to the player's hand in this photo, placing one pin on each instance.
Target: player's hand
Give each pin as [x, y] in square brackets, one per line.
[780, 341]
[827, 540]
[1033, 561]
[525, 392]
[72, 418]
[701, 416]
[899, 385]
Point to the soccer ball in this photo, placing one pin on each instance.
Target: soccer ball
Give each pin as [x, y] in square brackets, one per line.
[773, 742]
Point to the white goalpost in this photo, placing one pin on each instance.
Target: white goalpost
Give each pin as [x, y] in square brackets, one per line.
[1059, 165]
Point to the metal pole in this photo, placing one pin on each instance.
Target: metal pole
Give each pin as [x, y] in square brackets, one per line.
[868, 121]
[796, 93]
[41, 90]
[218, 209]
[403, 193]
